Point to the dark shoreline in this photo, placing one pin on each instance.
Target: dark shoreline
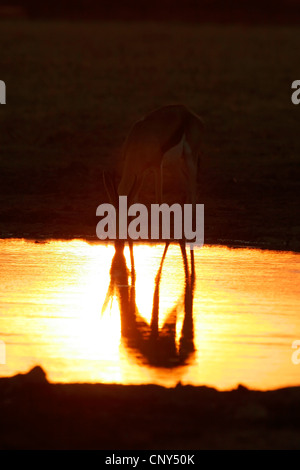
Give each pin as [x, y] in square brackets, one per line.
[243, 213]
[55, 143]
[37, 414]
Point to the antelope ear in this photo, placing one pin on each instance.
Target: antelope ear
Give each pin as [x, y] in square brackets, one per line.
[110, 187]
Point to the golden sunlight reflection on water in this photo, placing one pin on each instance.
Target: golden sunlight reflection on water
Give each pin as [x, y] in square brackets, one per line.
[245, 314]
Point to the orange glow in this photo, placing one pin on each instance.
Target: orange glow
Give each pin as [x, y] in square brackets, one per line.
[245, 314]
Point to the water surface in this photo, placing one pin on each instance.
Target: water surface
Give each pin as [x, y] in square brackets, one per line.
[62, 307]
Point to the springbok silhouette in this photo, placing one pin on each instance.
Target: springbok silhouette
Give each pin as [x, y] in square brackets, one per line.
[163, 129]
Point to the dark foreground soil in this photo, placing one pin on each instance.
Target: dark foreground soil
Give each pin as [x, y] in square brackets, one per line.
[36, 414]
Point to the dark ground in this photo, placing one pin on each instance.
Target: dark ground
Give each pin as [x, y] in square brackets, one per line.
[260, 212]
[38, 415]
[74, 90]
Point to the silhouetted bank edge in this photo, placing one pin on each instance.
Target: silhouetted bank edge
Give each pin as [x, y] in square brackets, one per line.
[36, 414]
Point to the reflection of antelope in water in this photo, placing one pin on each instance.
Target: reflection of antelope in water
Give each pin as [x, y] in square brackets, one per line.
[156, 346]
